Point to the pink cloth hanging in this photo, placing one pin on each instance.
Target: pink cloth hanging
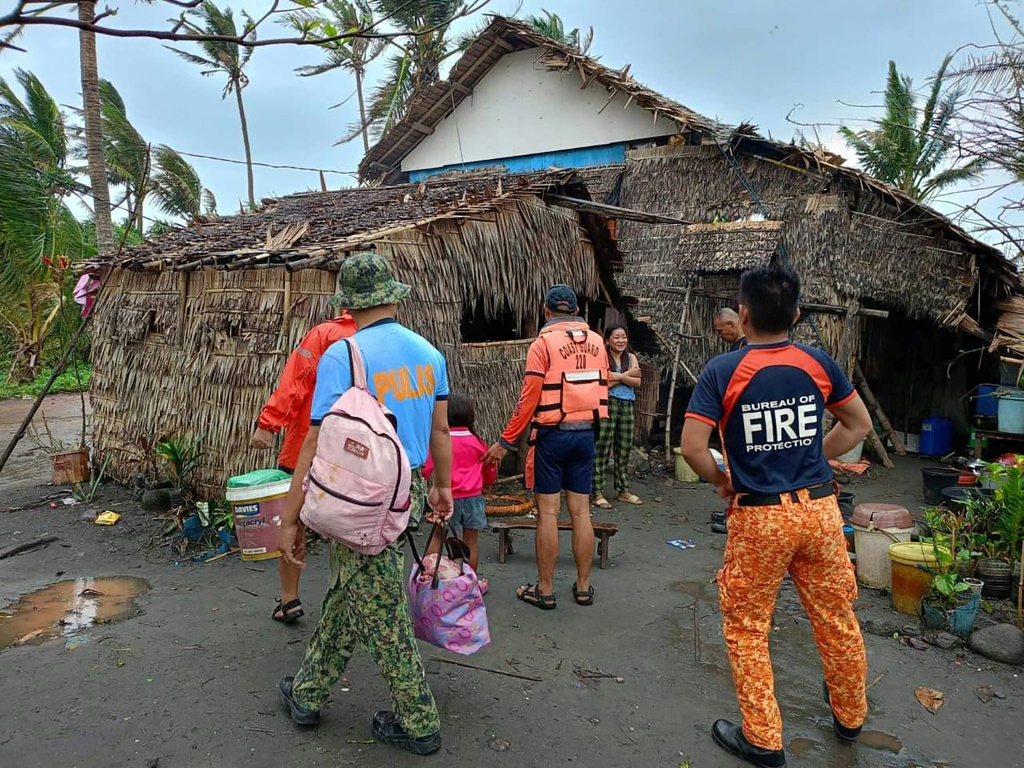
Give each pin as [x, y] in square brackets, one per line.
[85, 293]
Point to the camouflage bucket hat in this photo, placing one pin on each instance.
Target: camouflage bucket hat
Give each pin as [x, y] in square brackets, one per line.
[366, 280]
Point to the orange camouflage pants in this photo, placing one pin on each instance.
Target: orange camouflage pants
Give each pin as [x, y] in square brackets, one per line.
[804, 537]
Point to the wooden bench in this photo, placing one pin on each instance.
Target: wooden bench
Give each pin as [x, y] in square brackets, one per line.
[602, 531]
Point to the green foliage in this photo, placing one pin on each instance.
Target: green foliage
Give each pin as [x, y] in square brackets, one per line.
[183, 457]
[1009, 524]
[66, 382]
[220, 57]
[909, 146]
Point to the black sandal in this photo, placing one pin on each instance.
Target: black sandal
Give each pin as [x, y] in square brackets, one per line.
[288, 611]
[583, 598]
[529, 594]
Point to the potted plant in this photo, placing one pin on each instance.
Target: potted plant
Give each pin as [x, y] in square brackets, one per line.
[1006, 531]
[950, 604]
[69, 461]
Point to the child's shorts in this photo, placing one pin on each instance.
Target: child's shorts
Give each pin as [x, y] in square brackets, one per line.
[470, 514]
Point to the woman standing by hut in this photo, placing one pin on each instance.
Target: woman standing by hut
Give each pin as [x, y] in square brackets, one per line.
[617, 430]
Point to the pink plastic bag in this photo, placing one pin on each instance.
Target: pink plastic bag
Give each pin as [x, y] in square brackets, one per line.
[447, 612]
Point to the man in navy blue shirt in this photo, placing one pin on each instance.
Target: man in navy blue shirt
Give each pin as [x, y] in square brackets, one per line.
[727, 325]
[767, 402]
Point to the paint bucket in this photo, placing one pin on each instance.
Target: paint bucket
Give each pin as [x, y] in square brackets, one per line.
[1011, 410]
[913, 565]
[257, 501]
[985, 403]
[875, 527]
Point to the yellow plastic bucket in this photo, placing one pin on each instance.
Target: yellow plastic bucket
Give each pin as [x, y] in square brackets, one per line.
[910, 580]
[683, 472]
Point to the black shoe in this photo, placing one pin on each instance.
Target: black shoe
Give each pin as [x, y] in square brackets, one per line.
[729, 737]
[719, 527]
[300, 715]
[848, 735]
[718, 517]
[388, 730]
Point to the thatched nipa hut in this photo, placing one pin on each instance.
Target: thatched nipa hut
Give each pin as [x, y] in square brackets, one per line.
[192, 329]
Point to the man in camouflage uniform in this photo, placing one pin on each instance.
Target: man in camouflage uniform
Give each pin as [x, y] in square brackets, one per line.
[366, 602]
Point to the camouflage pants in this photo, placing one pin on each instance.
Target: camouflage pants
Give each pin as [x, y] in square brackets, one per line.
[366, 604]
[805, 537]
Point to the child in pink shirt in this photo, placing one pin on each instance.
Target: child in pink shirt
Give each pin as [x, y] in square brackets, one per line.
[470, 475]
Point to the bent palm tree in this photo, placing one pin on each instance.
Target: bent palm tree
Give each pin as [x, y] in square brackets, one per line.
[39, 236]
[228, 59]
[177, 188]
[909, 146]
[353, 54]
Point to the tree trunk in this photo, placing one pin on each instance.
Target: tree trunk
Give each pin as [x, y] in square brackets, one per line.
[245, 141]
[94, 130]
[362, 112]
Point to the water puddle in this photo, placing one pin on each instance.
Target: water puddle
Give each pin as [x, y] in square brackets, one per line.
[803, 747]
[65, 608]
[700, 590]
[882, 741]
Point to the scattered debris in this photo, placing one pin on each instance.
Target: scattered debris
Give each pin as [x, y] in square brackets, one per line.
[487, 669]
[946, 641]
[246, 591]
[917, 644]
[74, 642]
[875, 682]
[360, 741]
[986, 693]
[681, 543]
[930, 698]
[499, 745]
[107, 518]
[25, 546]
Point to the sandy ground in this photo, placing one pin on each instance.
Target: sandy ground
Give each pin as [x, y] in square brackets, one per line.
[191, 680]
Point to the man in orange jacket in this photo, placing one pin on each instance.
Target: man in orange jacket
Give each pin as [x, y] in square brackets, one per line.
[288, 408]
[563, 399]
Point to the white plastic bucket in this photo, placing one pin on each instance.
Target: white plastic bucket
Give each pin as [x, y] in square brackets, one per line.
[853, 455]
[874, 567]
[257, 512]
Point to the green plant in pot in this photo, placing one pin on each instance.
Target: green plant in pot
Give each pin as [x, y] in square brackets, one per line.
[950, 602]
[1006, 531]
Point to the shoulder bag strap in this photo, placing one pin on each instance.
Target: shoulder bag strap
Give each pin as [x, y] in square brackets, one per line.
[357, 364]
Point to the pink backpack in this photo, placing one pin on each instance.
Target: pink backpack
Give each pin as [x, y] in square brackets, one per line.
[357, 489]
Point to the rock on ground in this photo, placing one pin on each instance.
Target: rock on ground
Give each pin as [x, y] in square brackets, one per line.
[1001, 642]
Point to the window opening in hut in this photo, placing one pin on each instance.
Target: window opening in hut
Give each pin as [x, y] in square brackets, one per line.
[478, 326]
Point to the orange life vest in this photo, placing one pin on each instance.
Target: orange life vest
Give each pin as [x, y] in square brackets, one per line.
[576, 381]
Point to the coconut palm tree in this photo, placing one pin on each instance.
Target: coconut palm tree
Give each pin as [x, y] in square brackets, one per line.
[228, 59]
[93, 128]
[909, 146]
[39, 236]
[177, 189]
[551, 25]
[353, 54]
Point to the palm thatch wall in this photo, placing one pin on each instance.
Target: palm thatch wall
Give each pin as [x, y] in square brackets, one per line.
[188, 343]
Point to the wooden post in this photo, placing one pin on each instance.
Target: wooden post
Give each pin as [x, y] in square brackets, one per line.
[872, 401]
[683, 316]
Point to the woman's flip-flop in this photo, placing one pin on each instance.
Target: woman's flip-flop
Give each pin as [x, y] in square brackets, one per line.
[484, 586]
[288, 612]
[631, 498]
[530, 594]
[602, 502]
[583, 598]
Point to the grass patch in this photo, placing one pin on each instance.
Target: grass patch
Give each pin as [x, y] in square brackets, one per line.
[66, 382]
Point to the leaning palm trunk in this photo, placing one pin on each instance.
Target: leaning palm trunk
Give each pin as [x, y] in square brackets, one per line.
[362, 111]
[245, 142]
[94, 130]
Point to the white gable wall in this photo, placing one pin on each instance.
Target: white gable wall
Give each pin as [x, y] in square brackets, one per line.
[522, 108]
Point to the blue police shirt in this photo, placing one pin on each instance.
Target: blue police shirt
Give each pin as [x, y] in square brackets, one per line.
[404, 372]
[768, 402]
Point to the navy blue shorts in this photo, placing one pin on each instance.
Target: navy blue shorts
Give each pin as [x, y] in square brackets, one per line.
[563, 461]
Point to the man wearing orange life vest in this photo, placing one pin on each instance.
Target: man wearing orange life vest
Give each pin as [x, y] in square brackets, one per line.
[564, 398]
[288, 408]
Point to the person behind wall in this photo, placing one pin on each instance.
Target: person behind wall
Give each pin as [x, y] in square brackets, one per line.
[729, 328]
[563, 399]
[767, 402]
[288, 409]
[366, 602]
[615, 435]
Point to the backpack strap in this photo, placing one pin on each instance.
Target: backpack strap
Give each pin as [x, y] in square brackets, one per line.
[357, 364]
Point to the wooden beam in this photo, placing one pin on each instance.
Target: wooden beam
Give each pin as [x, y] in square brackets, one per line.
[422, 128]
[833, 309]
[612, 211]
[465, 91]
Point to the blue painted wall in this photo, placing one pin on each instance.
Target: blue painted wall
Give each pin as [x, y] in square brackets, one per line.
[587, 157]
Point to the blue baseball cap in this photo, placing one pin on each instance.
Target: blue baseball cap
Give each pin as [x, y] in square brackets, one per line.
[561, 298]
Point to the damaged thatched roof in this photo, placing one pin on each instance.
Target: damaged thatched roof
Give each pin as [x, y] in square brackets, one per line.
[313, 228]
[728, 247]
[434, 103]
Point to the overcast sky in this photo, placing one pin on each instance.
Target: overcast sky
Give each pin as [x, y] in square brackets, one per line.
[736, 60]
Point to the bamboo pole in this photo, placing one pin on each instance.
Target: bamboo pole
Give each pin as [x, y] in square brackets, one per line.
[675, 374]
[873, 403]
